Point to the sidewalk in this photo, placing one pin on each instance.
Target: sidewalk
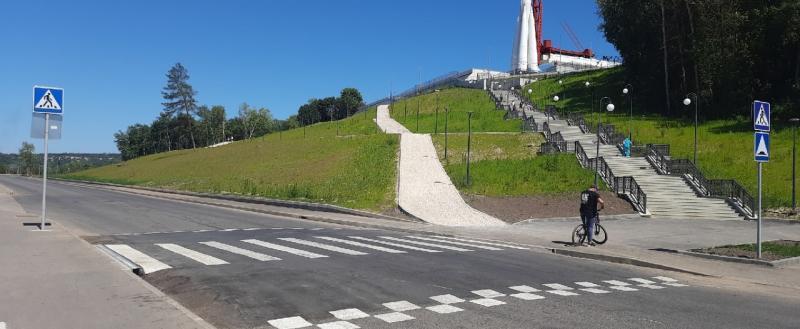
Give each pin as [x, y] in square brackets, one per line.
[54, 279]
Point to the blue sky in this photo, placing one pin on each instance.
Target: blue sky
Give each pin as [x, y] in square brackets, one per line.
[111, 56]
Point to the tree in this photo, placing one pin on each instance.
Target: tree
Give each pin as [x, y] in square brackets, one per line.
[350, 101]
[179, 96]
[256, 123]
[27, 158]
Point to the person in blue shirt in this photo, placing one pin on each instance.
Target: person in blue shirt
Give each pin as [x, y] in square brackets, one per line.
[626, 147]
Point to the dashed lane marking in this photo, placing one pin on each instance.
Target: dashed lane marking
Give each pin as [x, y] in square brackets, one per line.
[401, 306]
[444, 309]
[595, 290]
[562, 292]
[617, 283]
[338, 325]
[394, 317]
[557, 286]
[394, 244]
[325, 246]
[471, 245]
[362, 245]
[642, 281]
[488, 302]
[147, 263]
[587, 284]
[192, 254]
[424, 244]
[240, 251]
[298, 252]
[349, 314]
[524, 289]
[488, 293]
[527, 296]
[294, 322]
[447, 299]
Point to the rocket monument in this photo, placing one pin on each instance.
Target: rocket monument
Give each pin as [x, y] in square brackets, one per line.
[525, 56]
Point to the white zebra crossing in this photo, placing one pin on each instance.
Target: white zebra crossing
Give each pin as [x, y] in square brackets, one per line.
[325, 246]
[147, 263]
[363, 245]
[471, 245]
[394, 244]
[424, 244]
[240, 251]
[298, 252]
[484, 242]
[192, 254]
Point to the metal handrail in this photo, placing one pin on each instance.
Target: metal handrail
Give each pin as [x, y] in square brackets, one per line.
[627, 185]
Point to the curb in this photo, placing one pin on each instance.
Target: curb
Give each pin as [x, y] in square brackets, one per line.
[776, 263]
[621, 260]
[246, 199]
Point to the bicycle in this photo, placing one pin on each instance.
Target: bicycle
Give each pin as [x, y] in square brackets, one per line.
[600, 234]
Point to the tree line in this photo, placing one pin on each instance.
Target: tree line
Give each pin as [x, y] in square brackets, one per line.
[728, 52]
[182, 124]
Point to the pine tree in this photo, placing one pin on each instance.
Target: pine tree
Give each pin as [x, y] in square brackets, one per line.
[179, 96]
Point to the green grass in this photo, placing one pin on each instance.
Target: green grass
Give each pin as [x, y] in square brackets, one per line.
[507, 165]
[725, 147]
[485, 117]
[356, 169]
[787, 251]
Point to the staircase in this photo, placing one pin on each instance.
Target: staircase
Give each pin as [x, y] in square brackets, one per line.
[667, 196]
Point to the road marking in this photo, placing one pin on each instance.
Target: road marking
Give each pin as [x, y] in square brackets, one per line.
[191, 254]
[642, 281]
[201, 231]
[617, 283]
[651, 286]
[424, 244]
[527, 296]
[401, 306]
[455, 243]
[240, 251]
[252, 229]
[349, 314]
[488, 302]
[673, 284]
[488, 293]
[290, 250]
[587, 284]
[2, 325]
[294, 322]
[595, 290]
[229, 230]
[524, 289]
[444, 309]
[394, 244]
[394, 317]
[665, 279]
[338, 325]
[483, 242]
[363, 245]
[623, 288]
[557, 286]
[562, 292]
[148, 264]
[447, 299]
[325, 246]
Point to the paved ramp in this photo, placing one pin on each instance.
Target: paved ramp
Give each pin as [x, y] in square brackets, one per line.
[425, 190]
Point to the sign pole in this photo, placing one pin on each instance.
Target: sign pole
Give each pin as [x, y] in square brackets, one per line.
[758, 231]
[44, 171]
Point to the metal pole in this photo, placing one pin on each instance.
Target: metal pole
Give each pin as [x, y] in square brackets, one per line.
[794, 165]
[446, 115]
[44, 171]
[436, 122]
[758, 237]
[469, 143]
[695, 129]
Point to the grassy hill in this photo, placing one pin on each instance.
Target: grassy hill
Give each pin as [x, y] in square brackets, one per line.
[460, 101]
[725, 147]
[356, 168]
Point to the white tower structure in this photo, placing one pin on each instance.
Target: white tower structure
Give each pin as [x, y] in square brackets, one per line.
[525, 57]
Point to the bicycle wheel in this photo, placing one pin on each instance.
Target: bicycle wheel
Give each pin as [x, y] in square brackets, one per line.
[578, 235]
[600, 235]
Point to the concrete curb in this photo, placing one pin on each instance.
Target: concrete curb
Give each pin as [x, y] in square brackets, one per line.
[247, 199]
[776, 263]
[622, 260]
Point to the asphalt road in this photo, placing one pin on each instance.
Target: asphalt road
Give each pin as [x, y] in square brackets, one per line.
[245, 270]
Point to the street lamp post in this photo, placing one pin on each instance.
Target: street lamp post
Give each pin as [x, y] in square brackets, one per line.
[609, 108]
[628, 90]
[436, 121]
[687, 101]
[469, 143]
[794, 121]
[591, 89]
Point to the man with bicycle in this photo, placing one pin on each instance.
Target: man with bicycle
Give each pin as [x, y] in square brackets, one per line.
[590, 200]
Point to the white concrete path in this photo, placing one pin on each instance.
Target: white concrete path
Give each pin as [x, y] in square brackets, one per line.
[425, 191]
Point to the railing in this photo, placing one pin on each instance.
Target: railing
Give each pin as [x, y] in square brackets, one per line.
[530, 124]
[546, 130]
[580, 153]
[727, 189]
[627, 185]
[609, 135]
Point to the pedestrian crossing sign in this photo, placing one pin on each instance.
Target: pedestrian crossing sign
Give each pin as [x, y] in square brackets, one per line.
[761, 116]
[761, 147]
[48, 100]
